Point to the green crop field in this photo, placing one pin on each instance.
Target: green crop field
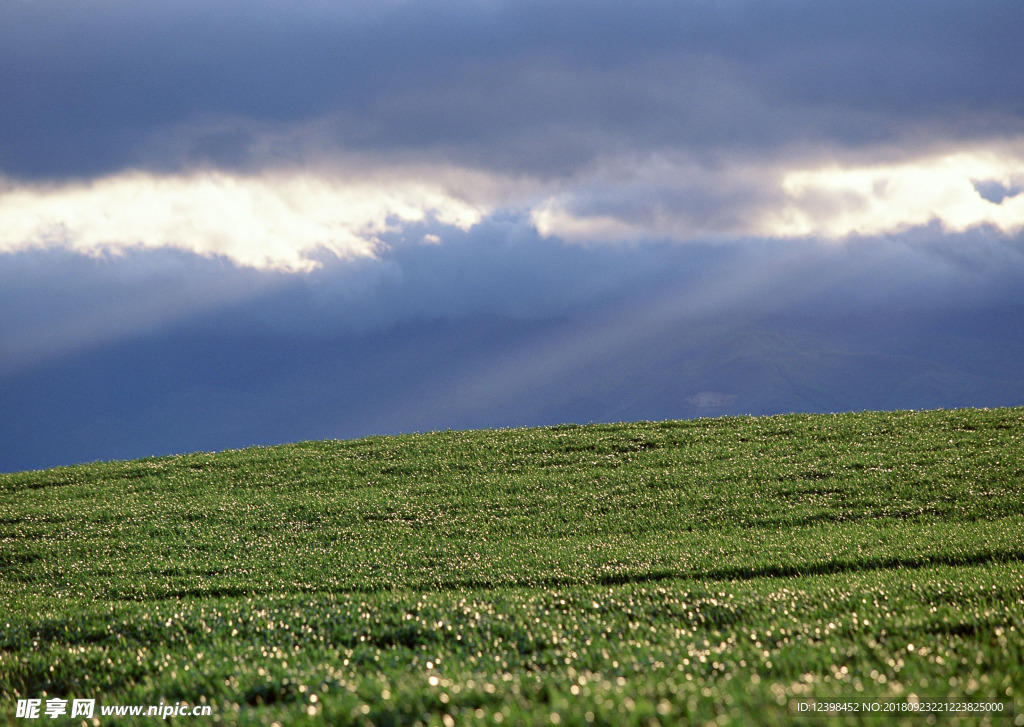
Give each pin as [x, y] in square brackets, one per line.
[726, 571]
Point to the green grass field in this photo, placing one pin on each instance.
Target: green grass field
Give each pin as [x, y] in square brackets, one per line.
[726, 571]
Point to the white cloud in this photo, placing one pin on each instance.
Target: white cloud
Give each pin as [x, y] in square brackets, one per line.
[275, 220]
[290, 220]
[671, 197]
[837, 201]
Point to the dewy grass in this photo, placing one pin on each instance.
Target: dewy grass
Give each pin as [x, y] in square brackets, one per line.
[728, 571]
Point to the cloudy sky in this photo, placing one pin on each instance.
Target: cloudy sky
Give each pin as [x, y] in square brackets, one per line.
[233, 223]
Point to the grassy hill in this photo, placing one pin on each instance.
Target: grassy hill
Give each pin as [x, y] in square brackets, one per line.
[736, 570]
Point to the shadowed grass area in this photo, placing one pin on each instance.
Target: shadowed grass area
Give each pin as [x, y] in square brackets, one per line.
[730, 569]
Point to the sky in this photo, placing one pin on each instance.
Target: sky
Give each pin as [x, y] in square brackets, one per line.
[249, 223]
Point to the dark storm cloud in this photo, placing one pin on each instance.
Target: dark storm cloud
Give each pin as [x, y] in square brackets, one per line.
[538, 87]
[459, 147]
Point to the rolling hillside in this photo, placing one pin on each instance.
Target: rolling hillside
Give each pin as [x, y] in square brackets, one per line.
[736, 570]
